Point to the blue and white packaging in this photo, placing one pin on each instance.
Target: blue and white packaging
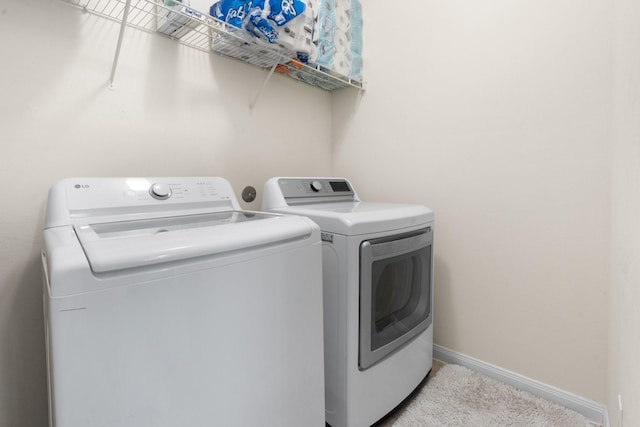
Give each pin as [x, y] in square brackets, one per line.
[283, 11]
[356, 40]
[232, 12]
[258, 23]
[296, 35]
[261, 28]
[340, 37]
[326, 29]
[281, 23]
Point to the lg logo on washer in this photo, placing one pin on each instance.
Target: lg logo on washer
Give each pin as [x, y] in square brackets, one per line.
[79, 186]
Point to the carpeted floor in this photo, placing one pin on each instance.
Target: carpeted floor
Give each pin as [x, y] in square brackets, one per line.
[456, 396]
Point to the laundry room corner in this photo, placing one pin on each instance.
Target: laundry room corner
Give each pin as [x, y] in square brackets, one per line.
[498, 117]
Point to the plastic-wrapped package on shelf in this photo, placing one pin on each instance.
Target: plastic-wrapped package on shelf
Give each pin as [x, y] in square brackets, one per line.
[356, 40]
[282, 12]
[325, 33]
[232, 40]
[177, 19]
[259, 23]
[339, 37]
[284, 27]
[263, 33]
[305, 47]
[232, 12]
[297, 34]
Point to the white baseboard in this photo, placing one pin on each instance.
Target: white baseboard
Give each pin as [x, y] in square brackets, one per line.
[593, 411]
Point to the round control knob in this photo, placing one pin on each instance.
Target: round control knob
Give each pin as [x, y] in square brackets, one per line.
[316, 186]
[160, 191]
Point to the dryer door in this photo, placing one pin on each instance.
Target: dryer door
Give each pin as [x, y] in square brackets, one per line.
[395, 293]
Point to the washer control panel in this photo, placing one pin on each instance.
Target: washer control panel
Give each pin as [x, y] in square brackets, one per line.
[315, 187]
[80, 200]
[93, 193]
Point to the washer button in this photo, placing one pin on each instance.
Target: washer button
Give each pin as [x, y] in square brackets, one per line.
[160, 191]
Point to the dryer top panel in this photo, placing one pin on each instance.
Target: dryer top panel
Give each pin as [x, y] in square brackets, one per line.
[359, 218]
[334, 205]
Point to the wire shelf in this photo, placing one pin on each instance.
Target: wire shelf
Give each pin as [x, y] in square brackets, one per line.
[203, 32]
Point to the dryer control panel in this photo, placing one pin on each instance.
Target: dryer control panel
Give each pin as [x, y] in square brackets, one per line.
[316, 187]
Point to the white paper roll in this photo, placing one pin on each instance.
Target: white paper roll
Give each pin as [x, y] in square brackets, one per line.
[287, 38]
[311, 8]
[343, 6]
[356, 67]
[343, 20]
[342, 64]
[313, 54]
[342, 41]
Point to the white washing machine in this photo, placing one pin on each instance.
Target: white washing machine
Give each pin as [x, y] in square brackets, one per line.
[378, 294]
[166, 305]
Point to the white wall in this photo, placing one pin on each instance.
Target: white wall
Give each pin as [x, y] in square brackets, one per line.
[175, 111]
[498, 116]
[625, 264]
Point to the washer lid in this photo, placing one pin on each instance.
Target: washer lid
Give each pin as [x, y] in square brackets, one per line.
[111, 246]
[355, 218]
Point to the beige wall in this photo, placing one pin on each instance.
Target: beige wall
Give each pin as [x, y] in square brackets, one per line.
[498, 116]
[625, 265]
[175, 111]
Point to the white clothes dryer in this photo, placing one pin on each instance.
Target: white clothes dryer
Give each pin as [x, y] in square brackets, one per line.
[166, 305]
[378, 294]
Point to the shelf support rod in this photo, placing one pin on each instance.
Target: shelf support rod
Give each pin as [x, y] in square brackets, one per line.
[123, 25]
[264, 84]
